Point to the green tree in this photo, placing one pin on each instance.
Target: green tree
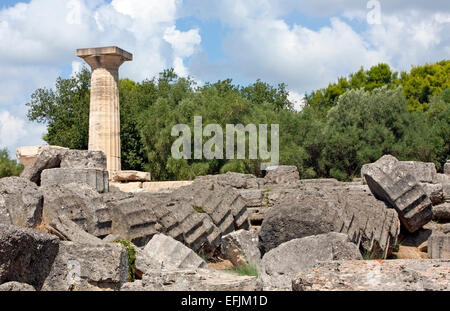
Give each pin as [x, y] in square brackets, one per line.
[8, 167]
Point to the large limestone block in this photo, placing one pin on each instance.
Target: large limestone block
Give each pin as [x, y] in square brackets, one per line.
[330, 207]
[193, 280]
[422, 171]
[79, 203]
[20, 202]
[375, 275]
[28, 154]
[83, 159]
[126, 187]
[394, 184]
[119, 176]
[281, 264]
[47, 159]
[164, 251]
[97, 179]
[241, 248]
[441, 212]
[132, 219]
[82, 267]
[282, 174]
[435, 192]
[26, 255]
[156, 186]
[439, 246]
[236, 180]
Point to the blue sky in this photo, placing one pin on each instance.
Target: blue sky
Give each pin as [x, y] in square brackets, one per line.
[305, 44]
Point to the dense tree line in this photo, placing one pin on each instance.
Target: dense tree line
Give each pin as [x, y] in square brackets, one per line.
[351, 122]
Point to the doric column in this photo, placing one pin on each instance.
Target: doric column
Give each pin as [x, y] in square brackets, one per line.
[104, 112]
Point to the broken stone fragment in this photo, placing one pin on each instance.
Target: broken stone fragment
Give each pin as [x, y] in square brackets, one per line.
[164, 251]
[83, 159]
[281, 264]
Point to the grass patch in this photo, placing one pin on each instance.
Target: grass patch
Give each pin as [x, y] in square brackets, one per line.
[199, 209]
[246, 270]
[131, 258]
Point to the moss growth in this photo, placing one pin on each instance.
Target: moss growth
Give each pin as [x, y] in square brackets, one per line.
[131, 258]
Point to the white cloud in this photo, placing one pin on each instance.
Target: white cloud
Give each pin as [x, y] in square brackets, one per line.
[15, 132]
[297, 99]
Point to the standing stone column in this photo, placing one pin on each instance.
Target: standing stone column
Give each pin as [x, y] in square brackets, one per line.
[104, 113]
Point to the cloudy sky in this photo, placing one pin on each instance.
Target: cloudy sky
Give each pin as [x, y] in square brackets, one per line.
[306, 44]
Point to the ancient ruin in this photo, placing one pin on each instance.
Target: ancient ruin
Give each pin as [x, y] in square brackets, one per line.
[104, 114]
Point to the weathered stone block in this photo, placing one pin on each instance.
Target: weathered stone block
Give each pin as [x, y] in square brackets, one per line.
[79, 203]
[26, 255]
[447, 168]
[241, 248]
[439, 247]
[119, 176]
[282, 174]
[164, 251]
[82, 267]
[374, 275]
[83, 159]
[16, 287]
[390, 182]
[441, 212]
[47, 159]
[126, 187]
[28, 154]
[156, 186]
[435, 192]
[97, 179]
[281, 264]
[20, 202]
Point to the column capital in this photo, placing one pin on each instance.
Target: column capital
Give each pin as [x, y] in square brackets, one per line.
[110, 57]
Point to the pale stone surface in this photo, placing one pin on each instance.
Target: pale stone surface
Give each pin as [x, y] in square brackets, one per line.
[434, 192]
[164, 251]
[27, 154]
[193, 280]
[104, 113]
[97, 179]
[375, 275]
[157, 186]
[126, 187]
[444, 180]
[128, 176]
[281, 264]
[81, 267]
[447, 168]
[439, 247]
